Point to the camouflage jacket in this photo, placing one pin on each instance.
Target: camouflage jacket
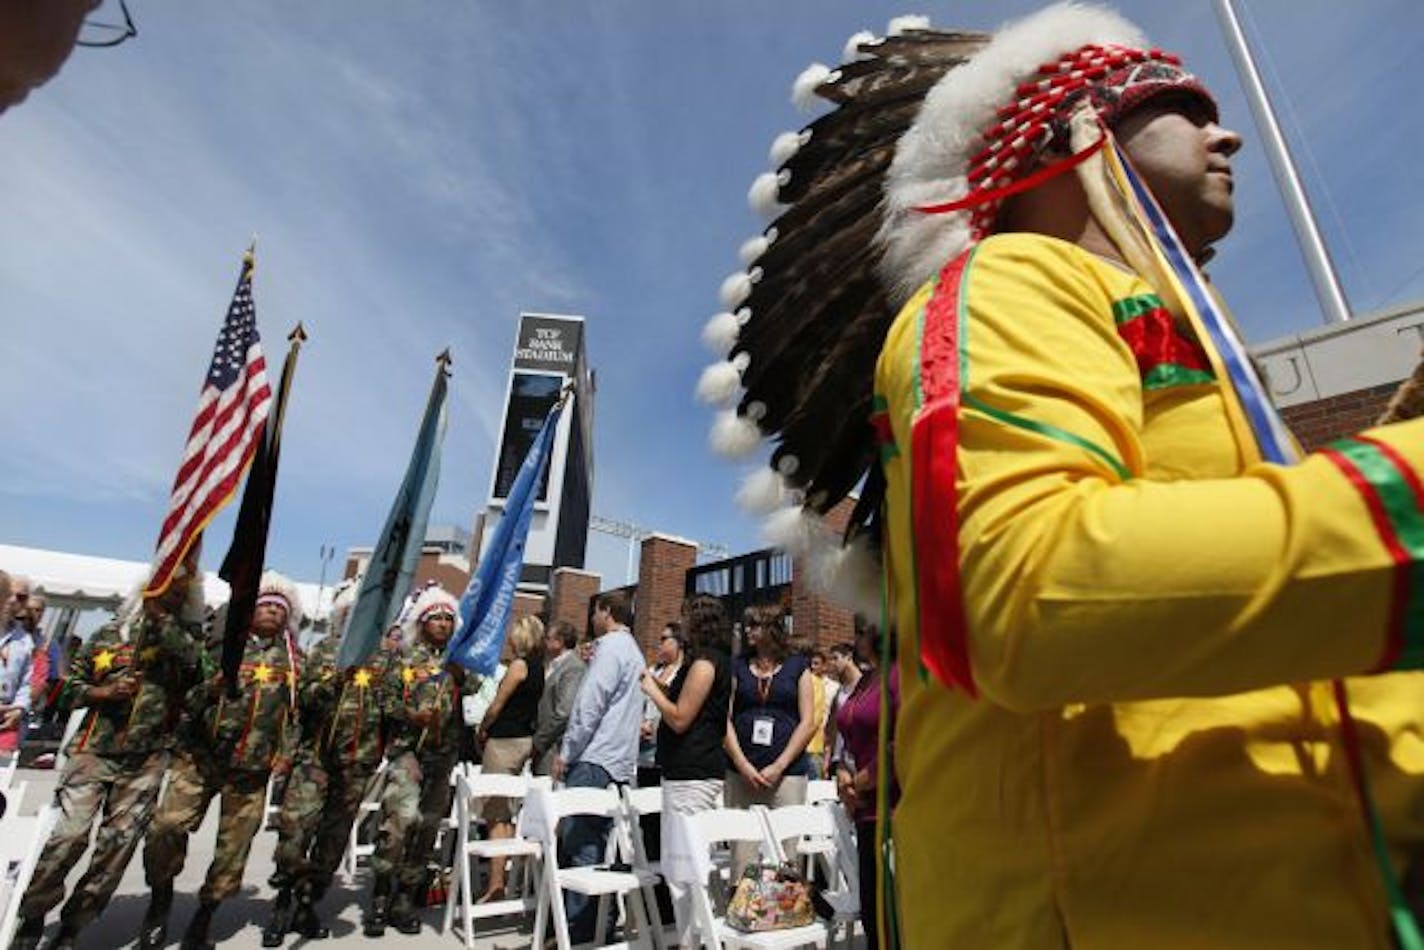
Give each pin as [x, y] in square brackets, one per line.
[342, 711]
[420, 680]
[250, 731]
[165, 656]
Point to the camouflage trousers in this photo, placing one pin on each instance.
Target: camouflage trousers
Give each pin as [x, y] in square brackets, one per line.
[126, 788]
[416, 799]
[193, 781]
[313, 828]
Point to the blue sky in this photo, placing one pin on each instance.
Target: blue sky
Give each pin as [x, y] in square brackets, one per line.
[418, 173]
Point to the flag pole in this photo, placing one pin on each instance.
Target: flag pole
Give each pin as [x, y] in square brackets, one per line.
[1312, 246]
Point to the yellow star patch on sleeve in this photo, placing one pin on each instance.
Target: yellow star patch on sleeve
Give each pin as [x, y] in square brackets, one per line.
[363, 678]
[103, 660]
[408, 674]
[262, 672]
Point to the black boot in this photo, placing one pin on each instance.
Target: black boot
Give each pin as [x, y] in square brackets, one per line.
[28, 934]
[403, 913]
[66, 939]
[306, 921]
[376, 915]
[276, 930]
[153, 933]
[196, 936]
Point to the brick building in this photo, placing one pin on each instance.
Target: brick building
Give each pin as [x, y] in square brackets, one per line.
[1335, 380]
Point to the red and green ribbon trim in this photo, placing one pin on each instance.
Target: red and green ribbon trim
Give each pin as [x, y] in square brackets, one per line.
[884, 433]
[1394, 497]
[1165, 356]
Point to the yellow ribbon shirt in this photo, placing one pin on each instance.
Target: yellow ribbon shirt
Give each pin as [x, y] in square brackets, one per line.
[1140, 750]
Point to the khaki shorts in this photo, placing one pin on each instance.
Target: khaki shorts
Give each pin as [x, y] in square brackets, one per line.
[504, 757]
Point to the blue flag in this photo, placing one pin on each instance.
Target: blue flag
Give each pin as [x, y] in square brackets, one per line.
[486, 602]
[393, 562]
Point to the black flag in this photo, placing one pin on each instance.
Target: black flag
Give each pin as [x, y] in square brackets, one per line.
[242, 567]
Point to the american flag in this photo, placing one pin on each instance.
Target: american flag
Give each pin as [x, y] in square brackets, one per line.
[232, 416]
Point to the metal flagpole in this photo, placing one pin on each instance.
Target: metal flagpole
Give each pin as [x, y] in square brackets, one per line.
[1317, 257]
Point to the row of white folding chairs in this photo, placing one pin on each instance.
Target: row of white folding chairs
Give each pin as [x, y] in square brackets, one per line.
[701, 832]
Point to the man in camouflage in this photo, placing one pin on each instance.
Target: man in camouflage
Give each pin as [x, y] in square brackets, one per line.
[342, 742]
[232, 745]
[132, 675]
[422, 700]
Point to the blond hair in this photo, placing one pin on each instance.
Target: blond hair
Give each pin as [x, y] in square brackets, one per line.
[526, 638]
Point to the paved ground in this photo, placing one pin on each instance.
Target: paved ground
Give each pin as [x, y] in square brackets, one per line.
[239, 922]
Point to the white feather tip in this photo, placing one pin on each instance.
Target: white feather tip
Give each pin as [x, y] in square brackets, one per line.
[791, 529]
[901, 24]
[753, 248]
[736, 288]
[851, 576]
[762, 492]
[763, 195]
[785, 146]
[720, 333]
[719, 383]
[852, 52]
[803, 90]
[734, 436]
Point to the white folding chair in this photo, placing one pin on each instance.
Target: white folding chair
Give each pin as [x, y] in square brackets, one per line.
[370, 810]
[544, 810]
[820, 790]
[22, 841]
[699, 832]
[468, 850]
[640, 802]
[830, 844]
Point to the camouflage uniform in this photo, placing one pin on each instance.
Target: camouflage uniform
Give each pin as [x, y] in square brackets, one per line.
[229, 748]
[115, 761]
[342, 743]
[417, 793]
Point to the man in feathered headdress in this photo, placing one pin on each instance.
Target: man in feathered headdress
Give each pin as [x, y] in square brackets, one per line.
[422, 699]
[1119, 596]
[236, 736]
[131, 677]
[341, 745]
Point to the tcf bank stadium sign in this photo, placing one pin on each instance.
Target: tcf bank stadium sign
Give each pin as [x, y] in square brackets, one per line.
[548, 343]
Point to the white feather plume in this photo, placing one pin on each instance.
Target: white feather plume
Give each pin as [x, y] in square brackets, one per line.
[850, 575]
[720, 333]
[719, 383]
[763, 195]
[753, 248]
[803, 90]
[762, 492]
[792, 529]
[786, 145]
[900, 24]
[734, 436]
[852, 52]
[736, 288]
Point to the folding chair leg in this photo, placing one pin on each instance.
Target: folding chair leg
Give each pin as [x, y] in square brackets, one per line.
[600, 933]
[647, 919]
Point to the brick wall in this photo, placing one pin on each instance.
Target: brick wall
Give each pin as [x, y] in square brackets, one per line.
[1316, 423]
[571, 593]
[663, 563]
[429, 567]
[817, 621]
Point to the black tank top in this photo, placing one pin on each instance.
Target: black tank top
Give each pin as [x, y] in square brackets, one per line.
[697, 753]
[516, 720]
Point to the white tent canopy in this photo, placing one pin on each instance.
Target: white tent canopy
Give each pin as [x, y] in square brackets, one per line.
[84, 581]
